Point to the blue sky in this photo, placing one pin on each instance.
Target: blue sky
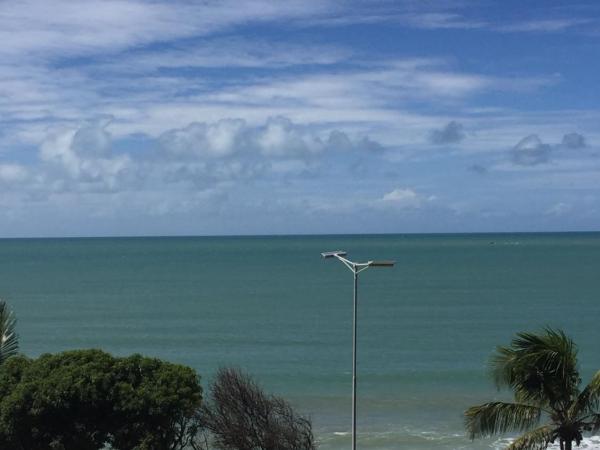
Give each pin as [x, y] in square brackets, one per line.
[129, 117]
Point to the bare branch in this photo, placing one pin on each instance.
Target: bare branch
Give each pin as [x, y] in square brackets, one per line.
[241, 416]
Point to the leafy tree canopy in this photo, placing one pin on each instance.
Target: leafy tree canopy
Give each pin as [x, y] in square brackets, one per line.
[88, 399]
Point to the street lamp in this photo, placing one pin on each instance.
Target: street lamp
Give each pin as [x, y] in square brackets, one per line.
[355, 268]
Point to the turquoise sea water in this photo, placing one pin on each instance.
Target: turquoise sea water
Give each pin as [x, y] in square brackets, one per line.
[272, 306]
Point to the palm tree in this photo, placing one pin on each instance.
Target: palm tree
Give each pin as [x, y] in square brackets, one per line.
[541, 369]
[9, 340]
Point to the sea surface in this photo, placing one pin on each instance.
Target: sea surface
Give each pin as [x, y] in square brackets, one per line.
[271, 305]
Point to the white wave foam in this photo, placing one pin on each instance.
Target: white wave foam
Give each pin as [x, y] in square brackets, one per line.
[590, 443]
[419, 439]
[388, 440]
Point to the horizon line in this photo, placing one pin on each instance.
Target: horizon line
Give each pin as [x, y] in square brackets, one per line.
[283, 235]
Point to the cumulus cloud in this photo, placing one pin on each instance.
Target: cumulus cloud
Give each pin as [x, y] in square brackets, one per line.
[277, 138]
[573, 141]
[234, 150]
[204, 140]
[530, 151]
[93, 139]
[404, 198]
[452, 133]
[198, 156]
[84, 156]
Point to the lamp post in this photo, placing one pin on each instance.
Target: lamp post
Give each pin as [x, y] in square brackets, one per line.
[355, 268]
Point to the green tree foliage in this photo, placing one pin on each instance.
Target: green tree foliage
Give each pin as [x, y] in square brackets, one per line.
[9, 341]
[541, 369]
[88, 399]
[157, 401]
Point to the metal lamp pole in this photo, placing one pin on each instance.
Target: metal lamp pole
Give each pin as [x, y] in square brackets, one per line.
[355, 268]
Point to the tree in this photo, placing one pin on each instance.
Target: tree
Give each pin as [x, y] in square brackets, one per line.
[9, 340]
[241, 416]
[88, 399]
[541, 369]
[155, 404]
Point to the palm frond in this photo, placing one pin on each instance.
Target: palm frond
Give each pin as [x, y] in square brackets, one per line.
[502, 366]
[592, 422]
[589, 399]
[499, 417]
[537, 439]
[9, 340]
[539, 367]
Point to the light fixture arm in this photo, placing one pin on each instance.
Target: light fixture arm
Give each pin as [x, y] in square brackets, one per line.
[355, 268]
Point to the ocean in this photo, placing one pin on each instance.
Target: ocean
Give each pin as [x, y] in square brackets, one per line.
[274, 307]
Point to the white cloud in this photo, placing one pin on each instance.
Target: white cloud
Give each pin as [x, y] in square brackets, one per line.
[382, 94]
[204, 140]
[543, 25]
[37, 28]
[400, 195]
[224, 52]
[57, 149]
[427, 80]
[202, 100]
[279, 137]
[405, 198]
[444, 15]
[440, 20]
[12, 174]
[197, 157]
[84, 156]
[276, 138]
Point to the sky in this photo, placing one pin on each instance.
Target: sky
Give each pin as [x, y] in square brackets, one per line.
[181, 117]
